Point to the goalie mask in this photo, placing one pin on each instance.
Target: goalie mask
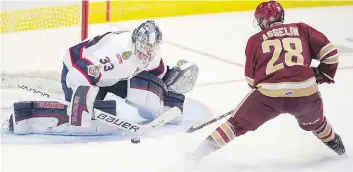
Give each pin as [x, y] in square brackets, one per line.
[146, 41]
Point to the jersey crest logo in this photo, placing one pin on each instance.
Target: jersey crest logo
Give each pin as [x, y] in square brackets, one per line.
[93, 70]
[126, 55]
[119, 58]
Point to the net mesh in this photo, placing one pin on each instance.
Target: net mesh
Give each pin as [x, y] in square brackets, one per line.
[41, 18]
[34, 41]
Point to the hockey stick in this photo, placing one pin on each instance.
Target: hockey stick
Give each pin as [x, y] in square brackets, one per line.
[135, 128]
[5, 80]
[193, 128]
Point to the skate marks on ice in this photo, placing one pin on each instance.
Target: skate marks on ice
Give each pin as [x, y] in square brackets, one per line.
[346, 49]
[303, 163]
[253, 156]
[245, 161]
[194, 112]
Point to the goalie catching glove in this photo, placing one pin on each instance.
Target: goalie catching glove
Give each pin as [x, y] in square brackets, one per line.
[182, 78]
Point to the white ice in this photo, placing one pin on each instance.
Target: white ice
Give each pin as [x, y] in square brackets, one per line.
[216, 43]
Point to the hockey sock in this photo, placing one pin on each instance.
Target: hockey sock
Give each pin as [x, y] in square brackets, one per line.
[324, 132]
[218, 138]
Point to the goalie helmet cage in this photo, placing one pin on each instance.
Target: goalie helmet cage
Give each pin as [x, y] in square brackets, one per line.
[35, 40]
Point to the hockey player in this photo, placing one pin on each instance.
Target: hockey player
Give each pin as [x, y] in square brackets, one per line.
[108, 60]
[278, 70]
[127, 64]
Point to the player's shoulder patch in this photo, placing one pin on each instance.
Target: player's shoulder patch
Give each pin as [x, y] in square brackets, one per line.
[93, 70]
[126, 55]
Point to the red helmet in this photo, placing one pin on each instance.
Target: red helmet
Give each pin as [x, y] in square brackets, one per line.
[268, 13]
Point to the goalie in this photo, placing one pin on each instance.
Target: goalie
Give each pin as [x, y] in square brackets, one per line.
[127, 64]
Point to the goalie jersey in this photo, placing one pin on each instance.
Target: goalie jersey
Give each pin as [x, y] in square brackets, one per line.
[105, 60]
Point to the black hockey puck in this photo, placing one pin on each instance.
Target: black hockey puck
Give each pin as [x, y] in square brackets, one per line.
[135, 140]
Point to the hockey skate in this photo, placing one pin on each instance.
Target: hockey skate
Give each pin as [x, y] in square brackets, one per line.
[7, 126]
[336, 145]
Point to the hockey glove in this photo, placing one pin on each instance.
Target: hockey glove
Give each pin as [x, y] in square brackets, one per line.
[182, 78]
[322, 77]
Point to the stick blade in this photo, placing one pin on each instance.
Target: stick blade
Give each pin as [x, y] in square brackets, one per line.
[165, 117]
[191, 129]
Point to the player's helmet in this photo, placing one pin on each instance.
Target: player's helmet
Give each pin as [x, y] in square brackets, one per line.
[146, 41]
[268, 13]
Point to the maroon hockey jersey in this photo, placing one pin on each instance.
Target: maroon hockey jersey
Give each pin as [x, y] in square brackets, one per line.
[278, 60]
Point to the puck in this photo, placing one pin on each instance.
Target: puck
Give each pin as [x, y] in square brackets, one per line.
[135, 140]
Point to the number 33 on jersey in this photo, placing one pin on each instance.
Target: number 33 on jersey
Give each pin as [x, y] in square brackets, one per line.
[95, 70]
[101, 61]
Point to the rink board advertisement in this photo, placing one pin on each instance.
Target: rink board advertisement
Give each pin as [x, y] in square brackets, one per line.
[31, 15]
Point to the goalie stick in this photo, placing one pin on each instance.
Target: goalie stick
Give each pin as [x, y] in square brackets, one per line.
[107, 118]
[7, 81]
[195, 128]
[135, 128]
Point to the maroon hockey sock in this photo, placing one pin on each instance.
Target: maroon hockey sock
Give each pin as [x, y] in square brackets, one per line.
[218, 138]
[225, 133]
[324, 132]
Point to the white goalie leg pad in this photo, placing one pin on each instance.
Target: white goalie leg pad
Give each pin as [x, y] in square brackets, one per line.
[80, 110]
[38, 116]
[33, 125]
[182, 78]
[174, 100]
[147, 92]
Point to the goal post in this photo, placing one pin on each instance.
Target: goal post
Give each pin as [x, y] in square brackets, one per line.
[84, 19]
[35, 36]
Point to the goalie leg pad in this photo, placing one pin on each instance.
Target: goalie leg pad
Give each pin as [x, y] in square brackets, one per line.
[147, 92]
[107, 106]
[38, 116]
[174, 100]
[81, 107]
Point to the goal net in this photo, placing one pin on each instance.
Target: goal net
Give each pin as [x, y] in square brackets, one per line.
[34, 38]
